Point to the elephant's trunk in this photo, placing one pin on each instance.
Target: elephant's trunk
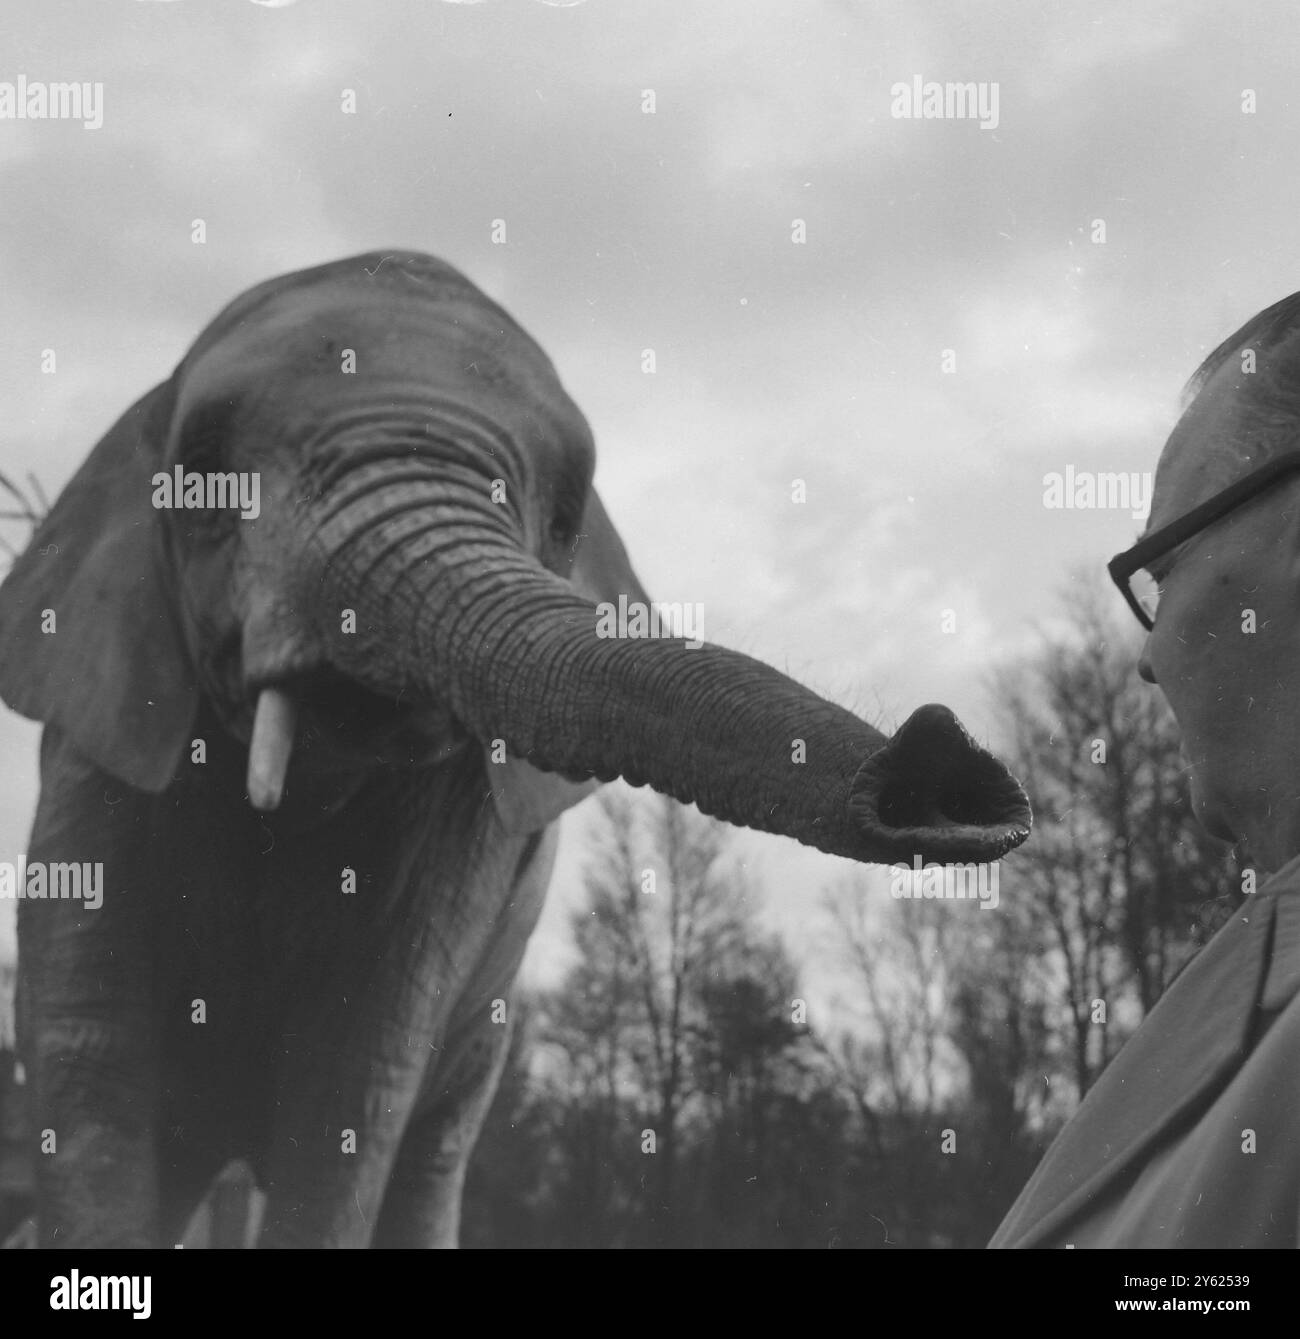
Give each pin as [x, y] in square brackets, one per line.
[455, 608]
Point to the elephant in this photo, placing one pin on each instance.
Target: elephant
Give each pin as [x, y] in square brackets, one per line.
[318, 745]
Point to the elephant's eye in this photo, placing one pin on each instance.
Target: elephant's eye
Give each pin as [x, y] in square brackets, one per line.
[567, 503]
[564, 520]
[206, 435]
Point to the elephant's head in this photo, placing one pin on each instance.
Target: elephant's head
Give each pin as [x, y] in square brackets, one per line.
[421, 576]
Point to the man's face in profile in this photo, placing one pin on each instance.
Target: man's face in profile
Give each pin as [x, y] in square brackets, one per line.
[1235, 692]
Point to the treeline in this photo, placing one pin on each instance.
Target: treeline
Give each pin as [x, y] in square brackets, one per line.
[689, 1084]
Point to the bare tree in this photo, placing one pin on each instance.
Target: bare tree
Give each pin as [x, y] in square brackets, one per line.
[660, 918]
[1119, 875]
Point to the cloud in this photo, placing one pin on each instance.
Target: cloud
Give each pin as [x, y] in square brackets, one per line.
[672, 231]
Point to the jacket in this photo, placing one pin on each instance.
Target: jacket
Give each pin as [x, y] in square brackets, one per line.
[1191, 1135]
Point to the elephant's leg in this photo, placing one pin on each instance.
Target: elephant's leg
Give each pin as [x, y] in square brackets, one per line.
[94, 1094]
[86, 1017]
[184, 1186]
[422, 1206]
[236, 1208]
[360, 1016]
[329, 1160]
[225, 1218]
[380, 985]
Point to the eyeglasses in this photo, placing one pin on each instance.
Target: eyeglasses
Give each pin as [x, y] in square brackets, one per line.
[1125, 568]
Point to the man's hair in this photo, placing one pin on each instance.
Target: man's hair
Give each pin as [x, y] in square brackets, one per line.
[1267, 401]
[1269, 397]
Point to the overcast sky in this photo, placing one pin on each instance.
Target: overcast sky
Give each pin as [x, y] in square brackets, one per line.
[777, 360]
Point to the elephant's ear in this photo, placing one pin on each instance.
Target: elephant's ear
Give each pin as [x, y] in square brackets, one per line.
[526, 799]
[89, 639]
[601, 569]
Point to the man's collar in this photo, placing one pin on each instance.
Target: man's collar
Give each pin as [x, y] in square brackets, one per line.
[1190, 1045]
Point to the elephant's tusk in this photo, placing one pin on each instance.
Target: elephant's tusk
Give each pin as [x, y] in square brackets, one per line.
[272, 743]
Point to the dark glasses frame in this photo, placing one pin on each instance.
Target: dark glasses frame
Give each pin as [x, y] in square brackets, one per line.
[1124, 565]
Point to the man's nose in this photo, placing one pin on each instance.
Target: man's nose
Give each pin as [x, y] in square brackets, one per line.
[1145, 671]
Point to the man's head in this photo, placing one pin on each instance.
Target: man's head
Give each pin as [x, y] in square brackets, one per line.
[1225, 646]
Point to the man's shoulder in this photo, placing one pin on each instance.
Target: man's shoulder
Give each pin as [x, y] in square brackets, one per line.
[1286, 879]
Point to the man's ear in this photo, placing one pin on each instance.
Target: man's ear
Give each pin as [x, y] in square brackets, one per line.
[89, 638]
[526, 799]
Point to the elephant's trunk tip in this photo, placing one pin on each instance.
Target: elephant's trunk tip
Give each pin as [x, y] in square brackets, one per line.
[270, 748]
[933, 793]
